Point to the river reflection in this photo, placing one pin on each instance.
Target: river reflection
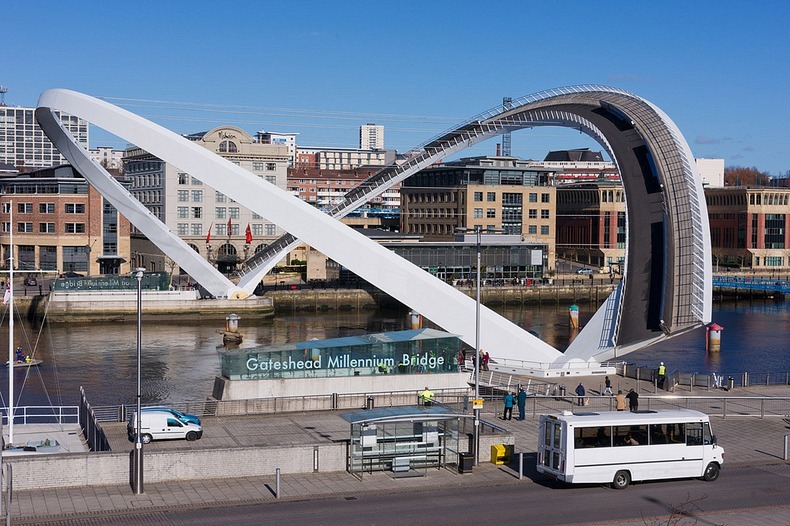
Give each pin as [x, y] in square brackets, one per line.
[180, 360]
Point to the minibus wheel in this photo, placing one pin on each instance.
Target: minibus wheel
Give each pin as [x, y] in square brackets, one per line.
[711, 472]
[621, 479]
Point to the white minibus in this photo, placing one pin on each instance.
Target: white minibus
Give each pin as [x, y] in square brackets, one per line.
[619, 447]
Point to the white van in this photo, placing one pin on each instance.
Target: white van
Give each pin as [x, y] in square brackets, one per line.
[162, 425]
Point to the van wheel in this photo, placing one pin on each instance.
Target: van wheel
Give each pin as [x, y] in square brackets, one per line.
[711, 472]
[191, 436]
[621, 480]
[146, 438]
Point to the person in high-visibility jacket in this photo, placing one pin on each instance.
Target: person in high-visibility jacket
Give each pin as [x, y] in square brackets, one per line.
[427, 397]
[662, 373]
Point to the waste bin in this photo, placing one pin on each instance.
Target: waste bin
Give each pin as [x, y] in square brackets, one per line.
[499, 454]
[370, 403]
[730, 383]
[465, 462]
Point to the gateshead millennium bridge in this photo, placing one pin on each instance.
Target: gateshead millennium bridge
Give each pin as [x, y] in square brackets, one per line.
[666, 287]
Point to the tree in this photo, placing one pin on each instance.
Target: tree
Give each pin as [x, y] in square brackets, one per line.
[743, 176]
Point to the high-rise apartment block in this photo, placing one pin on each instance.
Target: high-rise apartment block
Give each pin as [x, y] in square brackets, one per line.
[371, 137]
[23, 144]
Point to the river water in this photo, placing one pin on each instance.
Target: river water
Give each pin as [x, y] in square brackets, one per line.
[180, 360]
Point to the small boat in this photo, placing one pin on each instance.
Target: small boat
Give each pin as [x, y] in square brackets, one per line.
[31, 363]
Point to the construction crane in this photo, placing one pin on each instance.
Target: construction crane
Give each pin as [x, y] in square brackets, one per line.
[3, 91]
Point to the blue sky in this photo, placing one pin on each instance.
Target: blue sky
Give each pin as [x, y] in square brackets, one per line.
[718, 69]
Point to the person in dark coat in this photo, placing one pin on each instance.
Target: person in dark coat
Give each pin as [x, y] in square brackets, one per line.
[522, 403]
[580, 391]
[633, 400]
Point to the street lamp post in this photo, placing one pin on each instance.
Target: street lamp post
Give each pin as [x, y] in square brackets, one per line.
[478, 230]
[137, 483]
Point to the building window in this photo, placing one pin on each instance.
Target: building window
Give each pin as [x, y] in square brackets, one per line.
[196, 182]
[228, 147]
[183, 196]
[197, 229]
[75, 228]
[183, 212]
[491, 196]
[25, 227]
[270, 229]
[271, 167]
[478, 196]
[490, 213]
[544, 214]
[182, 229]
[271, 179]
[183, 178]
[75, 208]
[197, 212]
[544, 230]
[46, 208]
[220, 212]
[532, 229]
[533, 198]
[533, 213]
[233, 211]
[257, 229]
[24, 208]
[46, 228]
[197, 196]
[257, 166]
[478, 213]
[219, 197]
[544, 198]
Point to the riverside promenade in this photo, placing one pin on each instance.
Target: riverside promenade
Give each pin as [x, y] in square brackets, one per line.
[72, 505]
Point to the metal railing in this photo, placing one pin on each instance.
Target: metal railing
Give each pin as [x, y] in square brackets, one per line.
[23, 415]
[454, 397]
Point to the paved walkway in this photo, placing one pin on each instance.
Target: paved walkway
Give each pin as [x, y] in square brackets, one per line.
[35, 507]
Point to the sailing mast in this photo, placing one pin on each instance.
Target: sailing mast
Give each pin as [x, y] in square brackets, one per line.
[11, 326]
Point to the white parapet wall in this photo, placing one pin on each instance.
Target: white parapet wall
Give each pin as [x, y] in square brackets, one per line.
[250, 389]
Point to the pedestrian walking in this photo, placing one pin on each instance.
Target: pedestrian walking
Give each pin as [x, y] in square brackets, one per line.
[662, 374]
[607, 390]
[619, 401]
[633, 400]
[522, 403]
[484, 359]
[508, 413]
[580, 391]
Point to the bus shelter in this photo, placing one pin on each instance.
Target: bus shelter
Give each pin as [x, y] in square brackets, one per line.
[405, 440]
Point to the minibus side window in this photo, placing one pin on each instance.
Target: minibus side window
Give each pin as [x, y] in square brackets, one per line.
[707, 436]
[694, 434]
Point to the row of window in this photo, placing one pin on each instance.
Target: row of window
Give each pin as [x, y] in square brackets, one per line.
[196, 229]
[445, 229]
[691, 434]
[48, 208]
[49, 228]
[533, 197]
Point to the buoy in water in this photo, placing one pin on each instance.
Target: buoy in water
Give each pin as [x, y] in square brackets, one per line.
[713, 337]
[573, 316]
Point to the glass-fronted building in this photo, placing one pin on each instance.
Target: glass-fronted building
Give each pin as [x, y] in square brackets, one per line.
[421, 351]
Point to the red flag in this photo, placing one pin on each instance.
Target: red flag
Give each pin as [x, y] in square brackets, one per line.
[230, 227]
[208, 236]
[248, 236]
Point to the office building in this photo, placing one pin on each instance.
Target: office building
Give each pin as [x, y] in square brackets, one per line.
[492, 192]
[23, 143]
[61, 224]
[209, 221]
